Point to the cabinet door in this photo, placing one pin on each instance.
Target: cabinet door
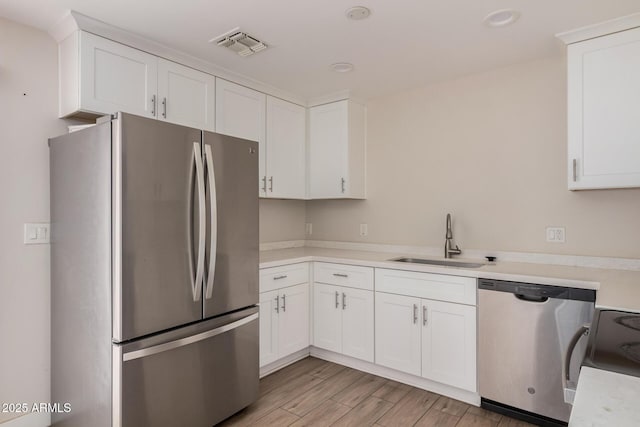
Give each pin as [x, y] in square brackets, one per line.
[397, 332]
[327, 317]
[328, 150]
[293, 323]
[269, 307]
[357, 323]
[115, 77]
[186, 96]
[449, 343]
[286, 159]
[240, 112]
[603, 118]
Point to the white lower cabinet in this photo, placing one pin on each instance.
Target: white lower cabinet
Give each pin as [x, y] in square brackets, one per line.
[398, 332]
[284, 322]
[432, 339]
[426, 326]
[343, 320]
[449, 343]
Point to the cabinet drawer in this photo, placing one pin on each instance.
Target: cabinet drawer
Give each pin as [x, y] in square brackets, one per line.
[426, 285]
[286, 275]
[351, 276]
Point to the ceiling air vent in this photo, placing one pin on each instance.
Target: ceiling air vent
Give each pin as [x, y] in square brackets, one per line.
[241, 43]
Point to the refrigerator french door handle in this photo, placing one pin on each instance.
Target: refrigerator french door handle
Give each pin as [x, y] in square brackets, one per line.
[171, 345]
[196, 285]
[213, 226]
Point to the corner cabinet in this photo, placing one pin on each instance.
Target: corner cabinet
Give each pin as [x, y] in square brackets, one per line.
[284, 311]
[425, 325]
[337, 139]
[604, 111]
[99, 76]
[280, 129]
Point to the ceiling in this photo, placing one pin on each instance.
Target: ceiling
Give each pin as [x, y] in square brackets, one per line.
[403, 44]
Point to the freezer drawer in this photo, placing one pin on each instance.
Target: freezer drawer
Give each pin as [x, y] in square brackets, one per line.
[192, 377]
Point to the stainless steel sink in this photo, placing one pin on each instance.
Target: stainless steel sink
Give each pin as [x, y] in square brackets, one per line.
[447, 263]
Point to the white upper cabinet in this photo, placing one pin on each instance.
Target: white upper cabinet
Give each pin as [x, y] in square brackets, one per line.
[186, 96]
[604, 111]
[98, 76]
[337, 151]
[241, 112]
[286, 156]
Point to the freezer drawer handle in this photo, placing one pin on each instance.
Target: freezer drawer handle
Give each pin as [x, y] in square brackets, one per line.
[171, 345]
[196, 286]
[213, 224]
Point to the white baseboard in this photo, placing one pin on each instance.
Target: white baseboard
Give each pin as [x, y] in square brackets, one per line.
[285, 361]
[33, 419]
[381, 371]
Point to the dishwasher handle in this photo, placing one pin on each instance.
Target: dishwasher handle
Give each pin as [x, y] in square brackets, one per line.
[531, 298]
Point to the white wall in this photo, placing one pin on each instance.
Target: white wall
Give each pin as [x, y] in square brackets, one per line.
[28, 111]
[491, 149]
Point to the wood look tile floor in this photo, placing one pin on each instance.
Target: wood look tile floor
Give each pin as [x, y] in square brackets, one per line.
[313, 392]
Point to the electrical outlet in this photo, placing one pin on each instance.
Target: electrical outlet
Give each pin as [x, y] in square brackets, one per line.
[555, 234]
[36, 233]
[364, 229]
[308, 228]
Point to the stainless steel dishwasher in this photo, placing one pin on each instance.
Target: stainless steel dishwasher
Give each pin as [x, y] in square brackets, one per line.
[530, 348]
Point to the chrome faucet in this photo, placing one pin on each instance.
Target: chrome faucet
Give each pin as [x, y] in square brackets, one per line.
[448, 251]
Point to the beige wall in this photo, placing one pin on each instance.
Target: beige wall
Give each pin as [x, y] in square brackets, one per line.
[28, 111]
[281, 220]
[490, 149]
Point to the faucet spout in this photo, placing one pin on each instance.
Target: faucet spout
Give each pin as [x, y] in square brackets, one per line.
[448, 249]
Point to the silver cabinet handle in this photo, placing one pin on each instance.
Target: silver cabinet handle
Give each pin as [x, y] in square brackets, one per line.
[264, 184]
[337, 296]
[153, 105]
[424, 315]
[196, 286]
[284, 276]
[343, 182]
[284, 302]
[171, 345]
[344, 301]
[213, 222]
[341, 275]
[277, 298]
[415, 313]
[164, 107]
[575, 170]
[270, 184]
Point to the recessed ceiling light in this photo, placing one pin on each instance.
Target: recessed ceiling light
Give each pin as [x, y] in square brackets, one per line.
[358, 13]
[342, 67]
[501, 18]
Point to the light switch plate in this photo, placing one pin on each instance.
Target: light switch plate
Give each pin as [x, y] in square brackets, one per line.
[308, 228]
[555, 234]
[37, 233]
[364, 229]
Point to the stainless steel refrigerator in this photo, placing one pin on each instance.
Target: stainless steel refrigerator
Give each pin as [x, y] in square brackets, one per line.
[154, 274]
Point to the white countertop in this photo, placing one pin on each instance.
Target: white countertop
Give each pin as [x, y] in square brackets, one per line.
[606, 398]
[619, 289]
